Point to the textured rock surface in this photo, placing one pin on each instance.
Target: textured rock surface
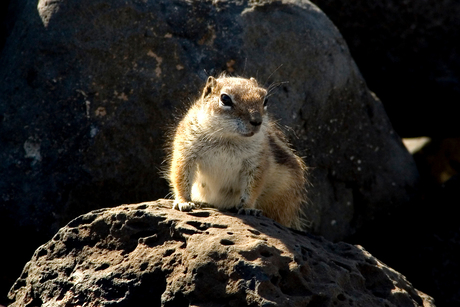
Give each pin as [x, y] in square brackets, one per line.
[408, 52]
[150, 255]
[88, 87]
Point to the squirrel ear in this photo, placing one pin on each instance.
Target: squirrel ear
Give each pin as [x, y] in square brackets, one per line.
[210, 83]
[254, 81]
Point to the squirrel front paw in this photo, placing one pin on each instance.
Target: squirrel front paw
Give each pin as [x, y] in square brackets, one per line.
[250, 211]
[242, 208]
[185, 206]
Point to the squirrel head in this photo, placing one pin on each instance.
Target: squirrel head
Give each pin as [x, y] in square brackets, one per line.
[238, 104]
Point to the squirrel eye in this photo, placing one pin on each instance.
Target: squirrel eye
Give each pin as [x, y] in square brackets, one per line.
[265, 102]
[226, 100]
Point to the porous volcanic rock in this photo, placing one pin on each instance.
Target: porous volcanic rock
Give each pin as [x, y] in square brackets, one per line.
[151, 255]
[88, 87]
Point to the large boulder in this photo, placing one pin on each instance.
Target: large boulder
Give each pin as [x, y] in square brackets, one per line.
[88, 89]
[151, 255]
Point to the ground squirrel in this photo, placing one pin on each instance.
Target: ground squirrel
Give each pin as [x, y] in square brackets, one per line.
[228, 153]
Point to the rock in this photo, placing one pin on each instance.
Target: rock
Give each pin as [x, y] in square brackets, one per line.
[408, 54]
[89, 87]
[150, 255]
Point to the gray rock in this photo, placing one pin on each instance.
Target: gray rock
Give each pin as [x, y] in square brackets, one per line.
[150, 255]
[88, 89]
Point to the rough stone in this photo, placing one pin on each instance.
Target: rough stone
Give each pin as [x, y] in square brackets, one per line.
[150, 255]
[88, 88]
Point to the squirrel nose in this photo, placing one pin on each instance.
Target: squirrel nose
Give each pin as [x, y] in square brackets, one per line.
[255, 118]
[255, 122]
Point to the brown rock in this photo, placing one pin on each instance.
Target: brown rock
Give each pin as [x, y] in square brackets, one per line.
[150, 255]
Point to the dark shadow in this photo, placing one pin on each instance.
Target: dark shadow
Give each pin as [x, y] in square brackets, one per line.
[421, 241]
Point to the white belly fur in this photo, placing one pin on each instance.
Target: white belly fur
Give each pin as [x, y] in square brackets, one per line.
[218, 180]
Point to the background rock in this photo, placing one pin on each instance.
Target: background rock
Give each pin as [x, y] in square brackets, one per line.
[409, 54]
[89, 87]
[150, 255]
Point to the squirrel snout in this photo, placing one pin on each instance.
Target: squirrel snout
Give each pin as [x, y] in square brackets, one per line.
[256, 122]
[256, 119]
